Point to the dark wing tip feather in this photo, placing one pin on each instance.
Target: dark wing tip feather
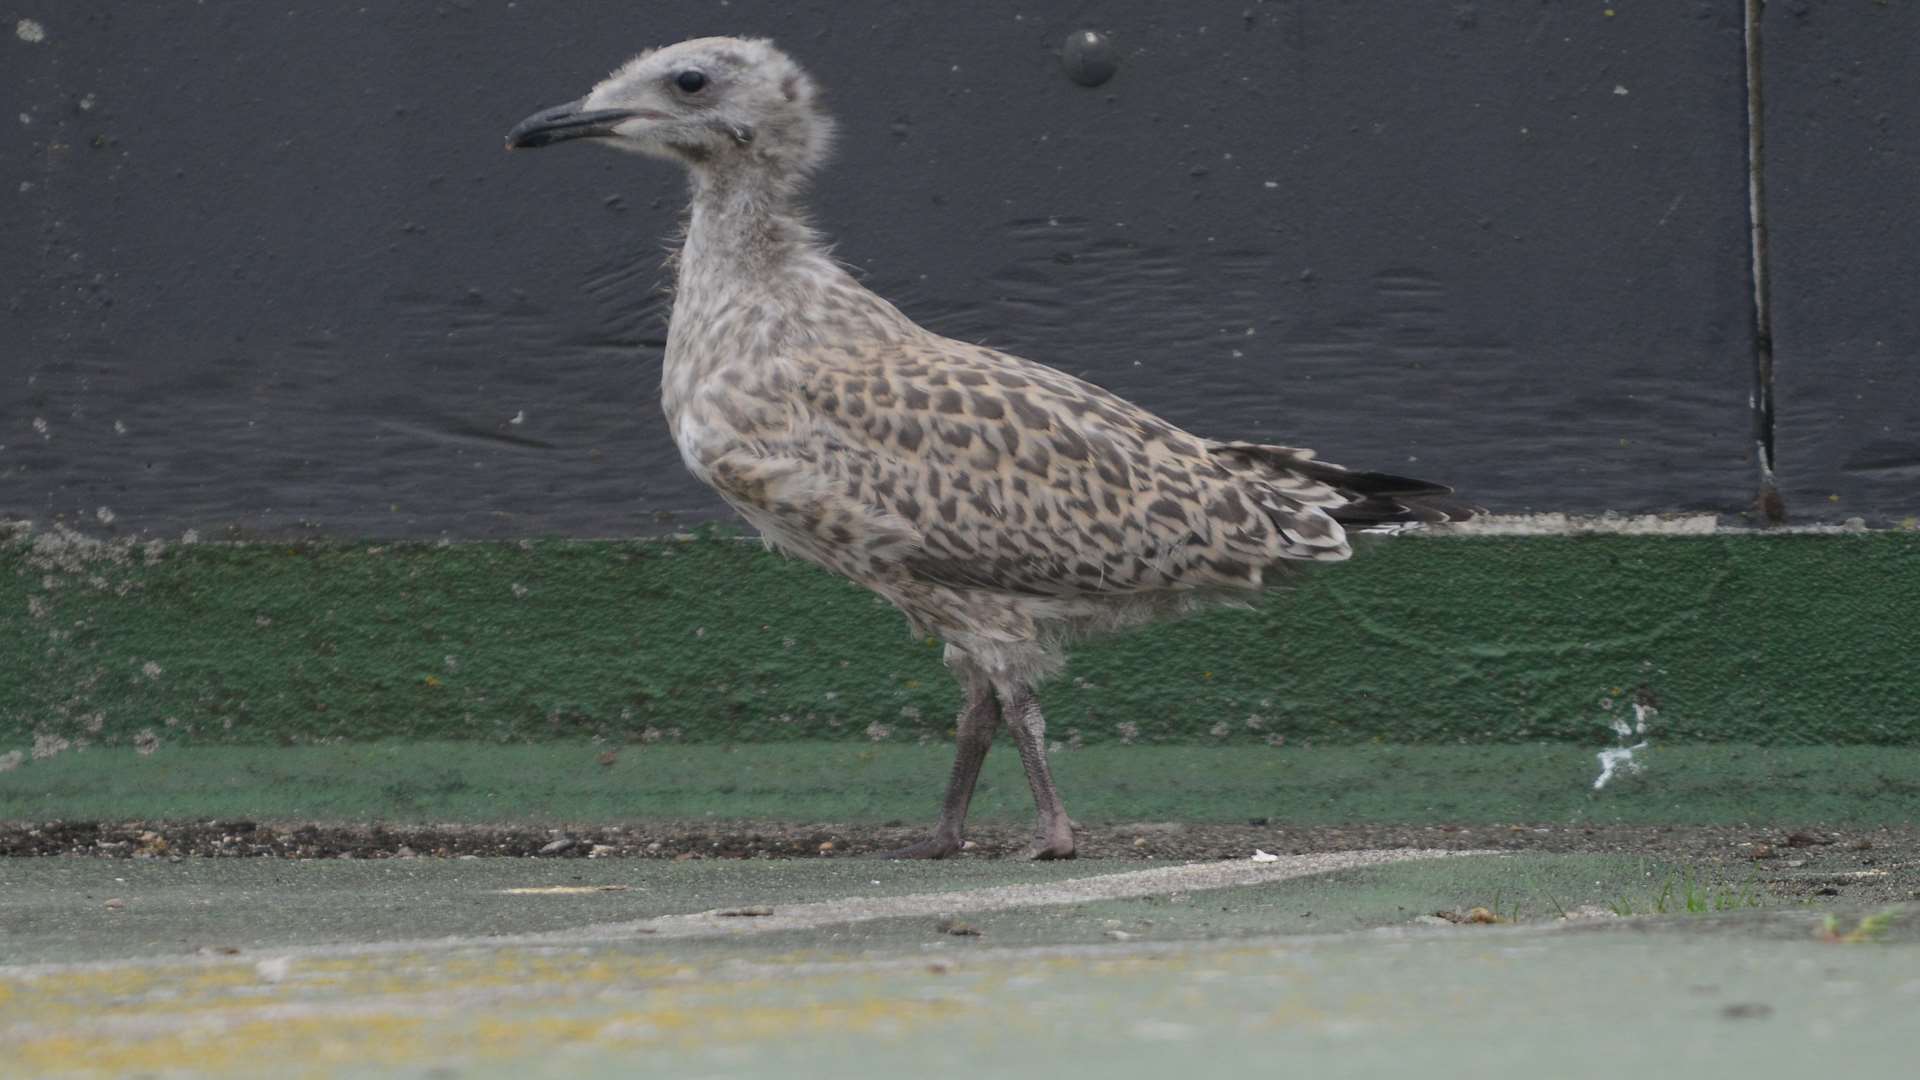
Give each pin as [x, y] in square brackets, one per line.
[1376, 498]
[1386, 499]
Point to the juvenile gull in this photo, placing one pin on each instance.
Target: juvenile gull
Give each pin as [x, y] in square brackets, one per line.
[1004, 506]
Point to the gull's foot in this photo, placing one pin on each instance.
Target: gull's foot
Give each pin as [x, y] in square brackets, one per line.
[1058, 847]
[933, 847]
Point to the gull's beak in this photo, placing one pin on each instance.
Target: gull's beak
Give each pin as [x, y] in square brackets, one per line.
[561, 122]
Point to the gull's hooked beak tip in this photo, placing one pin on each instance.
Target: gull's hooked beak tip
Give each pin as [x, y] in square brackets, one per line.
[563, 122]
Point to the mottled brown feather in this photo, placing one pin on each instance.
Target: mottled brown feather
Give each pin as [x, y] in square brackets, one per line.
[1067, 489]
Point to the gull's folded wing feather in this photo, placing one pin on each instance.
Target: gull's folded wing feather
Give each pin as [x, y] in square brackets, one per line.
[985, 471]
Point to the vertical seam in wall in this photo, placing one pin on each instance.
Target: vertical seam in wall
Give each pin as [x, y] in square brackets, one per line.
[1768, 501]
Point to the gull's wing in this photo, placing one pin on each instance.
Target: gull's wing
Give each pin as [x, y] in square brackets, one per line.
[986, 471]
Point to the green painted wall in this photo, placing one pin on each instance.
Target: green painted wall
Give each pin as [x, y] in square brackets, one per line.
[560, 783]
[1734, 637]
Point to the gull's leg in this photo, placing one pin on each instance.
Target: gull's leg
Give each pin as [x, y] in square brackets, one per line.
[974, 734]
[1053, 839]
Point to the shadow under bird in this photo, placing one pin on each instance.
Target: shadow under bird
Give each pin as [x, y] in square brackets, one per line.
[1002, 505]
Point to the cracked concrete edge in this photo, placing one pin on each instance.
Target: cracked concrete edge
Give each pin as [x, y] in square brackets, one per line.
[1617, 524]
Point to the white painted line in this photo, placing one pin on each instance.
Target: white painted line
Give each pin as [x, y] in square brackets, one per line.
[1192, 877]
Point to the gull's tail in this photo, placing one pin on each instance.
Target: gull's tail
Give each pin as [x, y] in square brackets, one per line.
[1370, 501]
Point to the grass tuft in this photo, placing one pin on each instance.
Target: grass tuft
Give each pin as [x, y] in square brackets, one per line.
[1687, 894]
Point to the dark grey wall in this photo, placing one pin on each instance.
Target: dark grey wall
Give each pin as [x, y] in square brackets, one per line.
[269, 270]
[1843, 186]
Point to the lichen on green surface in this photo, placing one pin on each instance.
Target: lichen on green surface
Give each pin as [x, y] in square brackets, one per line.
[1731, 637]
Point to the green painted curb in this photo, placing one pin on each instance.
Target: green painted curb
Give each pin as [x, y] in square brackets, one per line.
[1750, 638]
[558, 783]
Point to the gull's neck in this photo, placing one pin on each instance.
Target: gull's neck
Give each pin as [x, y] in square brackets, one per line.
[757, 292]
[746, 232]
[744, 286]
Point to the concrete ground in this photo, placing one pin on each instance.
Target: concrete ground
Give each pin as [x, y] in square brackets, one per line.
[1370, 963]
[447, 910]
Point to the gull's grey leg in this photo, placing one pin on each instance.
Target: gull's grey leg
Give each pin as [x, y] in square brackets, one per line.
[1053, 839]
[979, 717]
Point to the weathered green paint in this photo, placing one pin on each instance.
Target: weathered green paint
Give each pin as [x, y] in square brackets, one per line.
[1731, 637]
[561, 783]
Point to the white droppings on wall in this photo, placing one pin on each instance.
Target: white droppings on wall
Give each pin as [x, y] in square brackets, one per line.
[30, 31]
[46, 746]
[1617, 760]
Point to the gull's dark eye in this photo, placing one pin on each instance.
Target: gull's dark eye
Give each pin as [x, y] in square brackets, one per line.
[690, 81]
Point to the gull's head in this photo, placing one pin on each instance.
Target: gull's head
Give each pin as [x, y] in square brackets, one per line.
[710, 103]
